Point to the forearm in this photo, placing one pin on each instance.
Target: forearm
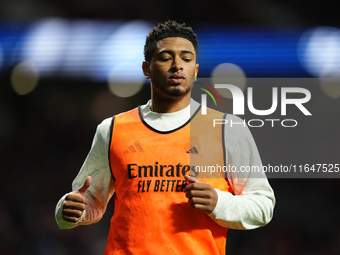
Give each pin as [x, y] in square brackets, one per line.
[102, 186]
[253, 201]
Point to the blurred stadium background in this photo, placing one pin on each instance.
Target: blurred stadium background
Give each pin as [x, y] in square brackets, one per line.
[65, 66]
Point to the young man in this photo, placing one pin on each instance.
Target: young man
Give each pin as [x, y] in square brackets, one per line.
[142, 156]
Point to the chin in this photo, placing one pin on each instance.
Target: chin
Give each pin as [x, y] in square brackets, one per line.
[178, 92]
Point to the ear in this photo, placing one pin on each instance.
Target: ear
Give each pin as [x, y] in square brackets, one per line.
[196, 71]
[146, 69]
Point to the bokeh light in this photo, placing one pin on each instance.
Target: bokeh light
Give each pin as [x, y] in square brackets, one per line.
[228, 73]
[45, 44]
[123, 86]
[319, 54]
[121, 55]
[81, 49]
[330, 86]
[24, 78]
[319, 51]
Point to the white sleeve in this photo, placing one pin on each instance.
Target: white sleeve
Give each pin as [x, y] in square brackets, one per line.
[102, 187]
[251, 206]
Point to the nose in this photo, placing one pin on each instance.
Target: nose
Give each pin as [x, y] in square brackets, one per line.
[176, 64]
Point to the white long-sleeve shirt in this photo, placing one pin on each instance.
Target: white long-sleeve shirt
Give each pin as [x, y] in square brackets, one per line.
[250, 206]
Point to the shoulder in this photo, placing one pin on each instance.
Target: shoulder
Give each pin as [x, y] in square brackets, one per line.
[208, 115]
[236, 130]
[105, 125]
[104, 130]
[235, 124]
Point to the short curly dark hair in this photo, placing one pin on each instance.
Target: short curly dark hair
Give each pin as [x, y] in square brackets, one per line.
[168, 29]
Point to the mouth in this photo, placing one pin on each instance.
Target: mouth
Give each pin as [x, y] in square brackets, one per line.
[177, 78]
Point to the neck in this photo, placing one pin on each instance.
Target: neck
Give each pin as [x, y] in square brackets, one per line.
[168, 105]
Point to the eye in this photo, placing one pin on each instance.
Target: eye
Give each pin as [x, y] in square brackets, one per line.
[165, 57]
[187, 57]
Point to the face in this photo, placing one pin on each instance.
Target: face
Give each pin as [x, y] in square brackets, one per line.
[172, 68]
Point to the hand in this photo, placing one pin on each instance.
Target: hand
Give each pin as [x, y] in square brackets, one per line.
[201, 196]
[75, 203]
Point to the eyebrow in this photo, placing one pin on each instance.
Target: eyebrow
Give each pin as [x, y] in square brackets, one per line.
[172, 52]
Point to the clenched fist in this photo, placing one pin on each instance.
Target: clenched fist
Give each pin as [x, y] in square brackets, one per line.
[75, 203]
[201, 196]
